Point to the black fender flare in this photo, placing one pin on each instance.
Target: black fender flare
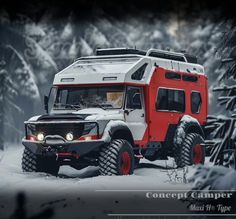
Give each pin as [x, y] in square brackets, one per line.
[187, 124]
[117, 130]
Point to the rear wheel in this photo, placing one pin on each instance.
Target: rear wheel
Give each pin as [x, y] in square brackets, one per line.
[191, 151]
[36, 163]
[116, 158]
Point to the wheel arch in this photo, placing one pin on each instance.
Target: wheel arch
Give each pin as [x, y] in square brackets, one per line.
[187, 125]
[123, 133]
[195, 128]
[119, 130]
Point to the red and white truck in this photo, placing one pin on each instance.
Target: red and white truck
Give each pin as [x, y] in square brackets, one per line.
[119, 106]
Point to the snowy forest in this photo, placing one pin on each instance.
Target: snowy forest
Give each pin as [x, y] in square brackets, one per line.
[38, 41]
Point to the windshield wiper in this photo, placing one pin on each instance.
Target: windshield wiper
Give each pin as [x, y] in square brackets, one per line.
[76, 107]
[99, 105]
[104, 106]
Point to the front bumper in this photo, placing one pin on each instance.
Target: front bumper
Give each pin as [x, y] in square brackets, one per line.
[78, 147]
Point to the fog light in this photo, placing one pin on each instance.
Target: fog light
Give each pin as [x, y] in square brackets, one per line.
[69, 136]
[40, 136]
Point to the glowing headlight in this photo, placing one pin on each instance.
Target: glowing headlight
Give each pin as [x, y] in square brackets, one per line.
[69, 136]
[40, 136]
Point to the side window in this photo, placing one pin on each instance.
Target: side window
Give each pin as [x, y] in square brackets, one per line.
[52, 97]
[62, 97]
[138, 74]
[170, 100]
[133, 98]
[196, 102]
[162, 99]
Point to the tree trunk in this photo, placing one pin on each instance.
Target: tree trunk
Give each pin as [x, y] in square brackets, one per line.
[2, 97]
[1, 132]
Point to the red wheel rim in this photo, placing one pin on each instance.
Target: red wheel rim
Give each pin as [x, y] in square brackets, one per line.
[197, 154]
[125, 163]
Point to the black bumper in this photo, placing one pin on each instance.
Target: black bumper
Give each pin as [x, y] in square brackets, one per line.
[79, 147]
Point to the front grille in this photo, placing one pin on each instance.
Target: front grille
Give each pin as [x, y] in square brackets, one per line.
[61, 129]
[78, 129]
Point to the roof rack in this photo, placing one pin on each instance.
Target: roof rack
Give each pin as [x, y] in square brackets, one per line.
[166, 55]
[119, 51]
[182, 57]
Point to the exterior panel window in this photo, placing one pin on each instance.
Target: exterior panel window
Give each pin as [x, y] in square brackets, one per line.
[196, 102]
[170, 100]
[138, 75]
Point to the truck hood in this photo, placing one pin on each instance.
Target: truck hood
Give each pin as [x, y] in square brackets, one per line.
[100, 114]
[91, 114]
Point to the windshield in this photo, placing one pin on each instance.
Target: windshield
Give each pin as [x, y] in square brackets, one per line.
[105, 97]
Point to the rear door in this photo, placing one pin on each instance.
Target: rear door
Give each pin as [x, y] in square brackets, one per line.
[169, 107]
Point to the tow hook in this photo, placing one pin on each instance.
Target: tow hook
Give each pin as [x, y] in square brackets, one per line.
[49, 149]
[140, 156]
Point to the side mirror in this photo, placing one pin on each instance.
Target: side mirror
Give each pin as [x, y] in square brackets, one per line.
[46, 103]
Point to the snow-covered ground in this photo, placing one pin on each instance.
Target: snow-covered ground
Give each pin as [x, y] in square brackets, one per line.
[72, 184]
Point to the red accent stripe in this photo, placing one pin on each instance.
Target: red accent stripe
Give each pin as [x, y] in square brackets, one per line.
[101, 84]
[93, 137]
[31, 137]
[68, 154]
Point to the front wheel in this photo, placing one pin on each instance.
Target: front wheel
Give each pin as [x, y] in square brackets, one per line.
[191, 151]
[36, 163]
[117, 158]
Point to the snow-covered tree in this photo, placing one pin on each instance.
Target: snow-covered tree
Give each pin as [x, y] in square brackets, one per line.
[224, 127]
[7, 95]
[28, 66]
[45, 45]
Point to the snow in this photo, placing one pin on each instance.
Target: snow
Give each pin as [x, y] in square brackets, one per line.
[34, 118]
[72, 183]
[10, 173]
[214, 178]
[34, 30]
[180, 133]
[67, 31]
[112, 124]
[85, 47]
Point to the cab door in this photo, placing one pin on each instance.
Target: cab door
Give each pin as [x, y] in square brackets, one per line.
[135, 112]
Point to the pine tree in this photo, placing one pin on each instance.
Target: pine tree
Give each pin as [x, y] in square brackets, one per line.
[7, 95]
[223, 127]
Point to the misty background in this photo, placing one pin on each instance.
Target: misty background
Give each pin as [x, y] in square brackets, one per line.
[38, 40]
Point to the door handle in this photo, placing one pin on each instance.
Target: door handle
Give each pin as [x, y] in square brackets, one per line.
[142, 115]
[126, 111]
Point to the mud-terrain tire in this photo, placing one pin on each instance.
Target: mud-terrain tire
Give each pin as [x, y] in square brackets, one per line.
[36, 163]
[191, 151]
[117, 158]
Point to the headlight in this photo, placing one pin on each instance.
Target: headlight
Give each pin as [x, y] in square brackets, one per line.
[69, 136]
[40, 136]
